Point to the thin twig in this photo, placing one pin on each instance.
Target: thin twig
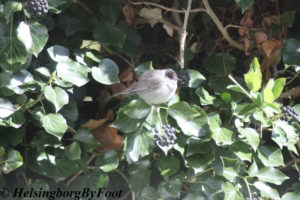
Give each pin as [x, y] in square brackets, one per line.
[74, 177]
[295, 76]
[166, 8]
[220, 26]
[248, 188]
[237, 84]
[184, 33]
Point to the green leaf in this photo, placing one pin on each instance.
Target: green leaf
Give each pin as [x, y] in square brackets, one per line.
[204, 96]
[20, 79]
[220, 64]
[70, 25]
[6, 108]
[271, 175]
[197, 145]
[149, 193]
[266, 190]
[57, 96]
[241, 150]
[290, 196]
[2, 151]
[55, 124]
[231, 192]
[199, 162]
[10, 8]
[59, 53]
[270, 156]
[253, 169]
[73, 72]
[231, 168]
[107, 72]
[14, 160]
[109, 34]
[288, 18]
[141, 68]
[252, 137]
[290, 52]
[33, 35]
[278, 87]
[168, 165]
[222, 136]
[253, 78]
[126, 124]
[85, 136]
[139, 175]
[12, 51]
[136, 109]
[131, 45]
[109, 161]
[196, 78]
[190, 121]
[73, 152]
[244, 4]
[285, 134]
[267, 92]
[138, 144]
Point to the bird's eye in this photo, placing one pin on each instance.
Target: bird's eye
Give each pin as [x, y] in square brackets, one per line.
[171, 75]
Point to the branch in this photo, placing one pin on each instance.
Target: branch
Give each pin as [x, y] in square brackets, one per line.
[166, 8]
[220, 26]
[184, 33]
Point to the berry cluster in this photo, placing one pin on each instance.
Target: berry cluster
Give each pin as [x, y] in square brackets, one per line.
[290, 114]
[37, 8]
[166, 138]
[184, 78]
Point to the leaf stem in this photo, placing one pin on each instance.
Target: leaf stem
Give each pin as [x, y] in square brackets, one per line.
[237, 84]
[248, 188]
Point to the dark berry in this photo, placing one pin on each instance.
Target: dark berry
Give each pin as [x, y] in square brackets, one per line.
[290, 114]
[37, 8]
[184, 77]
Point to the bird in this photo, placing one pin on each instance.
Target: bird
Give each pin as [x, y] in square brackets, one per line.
[154, 86]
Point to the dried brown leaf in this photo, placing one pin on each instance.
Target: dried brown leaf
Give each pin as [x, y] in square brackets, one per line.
[128, 12]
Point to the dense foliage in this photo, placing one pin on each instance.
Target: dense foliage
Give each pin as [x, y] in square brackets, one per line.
[232, 129]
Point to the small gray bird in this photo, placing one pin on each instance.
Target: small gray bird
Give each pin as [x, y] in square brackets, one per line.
[154, 86]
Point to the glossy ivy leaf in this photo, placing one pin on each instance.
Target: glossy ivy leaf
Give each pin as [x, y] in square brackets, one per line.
[58, 53]
[290, 53]
[220, 64]
[73, 152]
[288, 18]
[12, 51]
[18, 80]
[136, 109]
[204, 96]
[231, 168]
[131, 45]
[2, 151]
[231, 192]
[149, 193]
[241, 150]
[55, 124]
[197, 145]
[109, 161]
[271, 175]
[111, 9]
[251, 136]
[190, 121]
[168, 165]
[10, 8]
[253, 78]
[70, 25]
[109, 34]
[126, 124]
[266, 190]
[196, 78]
[13, 161]
[199, 162]
[139, 175]
[170, 189]
[86, 137]
[106, 72]
[244, 4]
[33, 35]
[253, 169]
[285, 134]
[141, 68]
[73, 72]
[57, 96]
[138, 144]
[270, 156]
[290, 195]
[222, 136]
[278, 87]
[6, 108]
